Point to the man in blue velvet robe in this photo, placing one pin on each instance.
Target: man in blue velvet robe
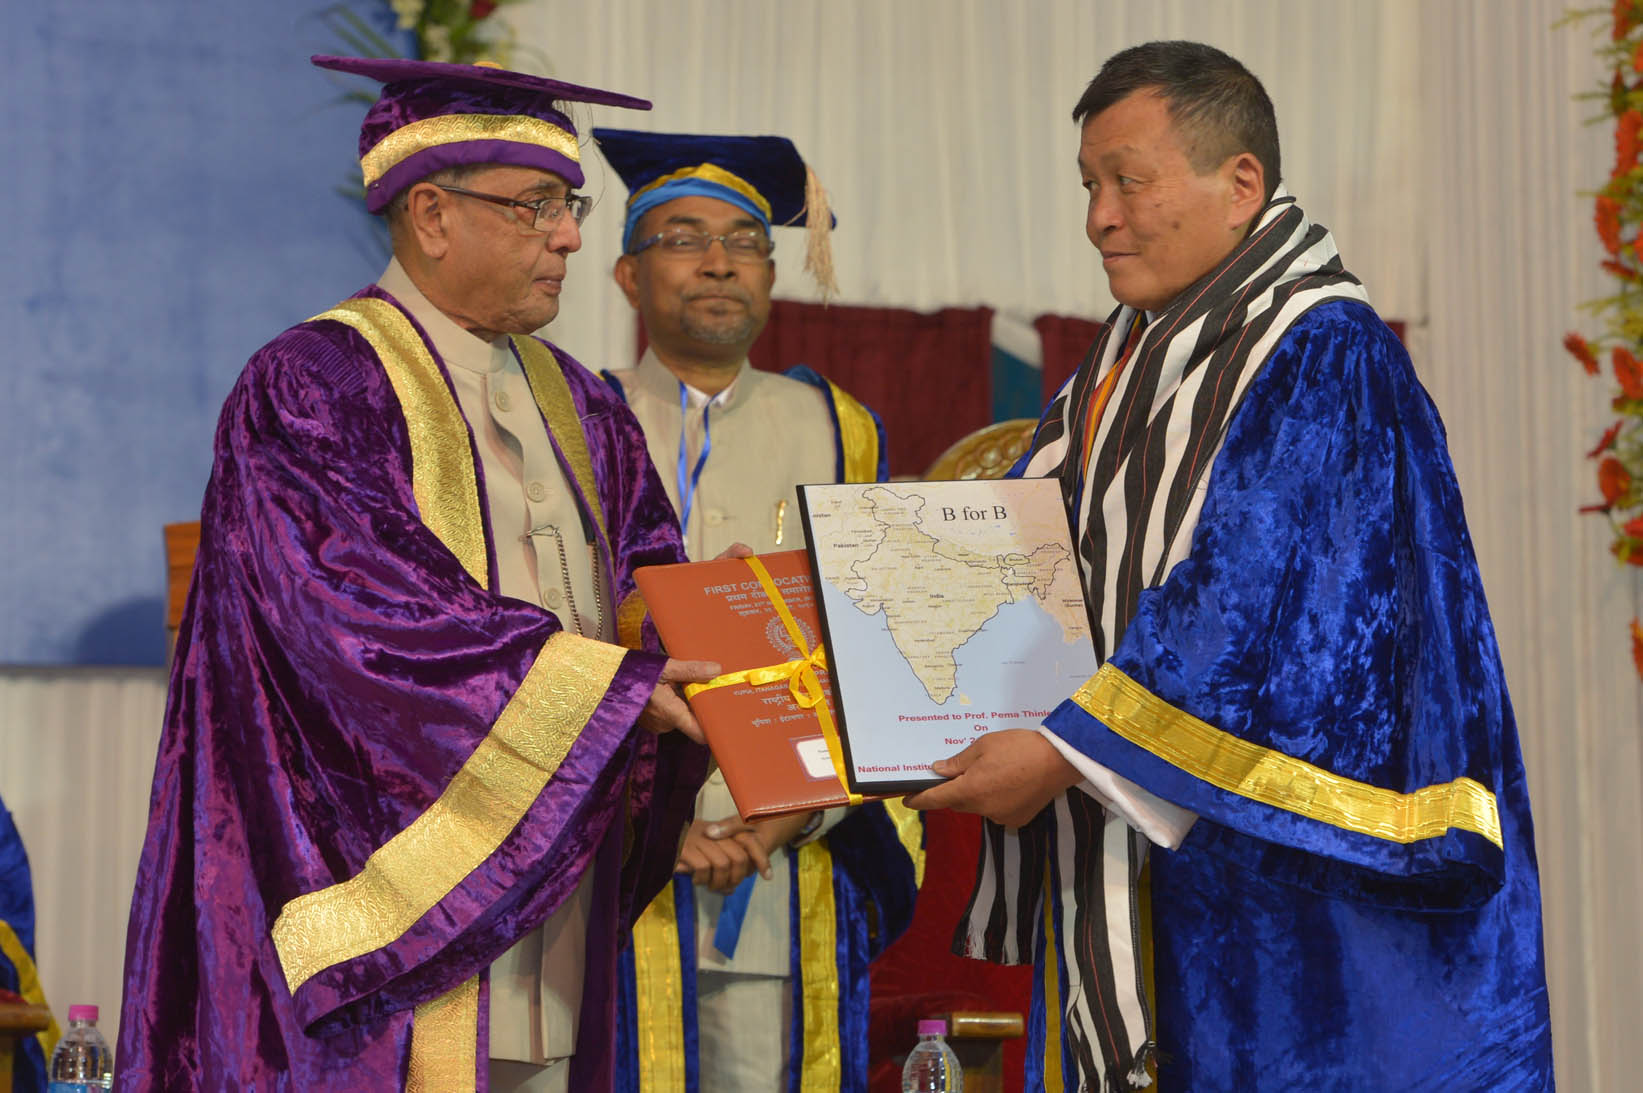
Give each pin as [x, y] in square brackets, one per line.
[17, 970]
[1300, 726]
[406, 801]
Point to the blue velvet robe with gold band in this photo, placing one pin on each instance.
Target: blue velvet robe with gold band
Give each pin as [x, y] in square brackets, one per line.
[17, 971]
[852, 893]
[1357, 906]
[376, 774]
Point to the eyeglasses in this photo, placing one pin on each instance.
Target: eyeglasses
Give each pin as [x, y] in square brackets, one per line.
[545, 211]
[745, 245]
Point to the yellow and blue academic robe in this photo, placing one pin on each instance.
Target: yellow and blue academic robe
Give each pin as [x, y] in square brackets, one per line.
[850, 892]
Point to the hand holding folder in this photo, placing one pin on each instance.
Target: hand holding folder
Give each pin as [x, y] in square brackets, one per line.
[769, 716]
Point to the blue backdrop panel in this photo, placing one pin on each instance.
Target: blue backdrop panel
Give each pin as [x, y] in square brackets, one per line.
[170, 191]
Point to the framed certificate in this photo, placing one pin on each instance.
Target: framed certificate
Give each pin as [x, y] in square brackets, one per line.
[949, 610]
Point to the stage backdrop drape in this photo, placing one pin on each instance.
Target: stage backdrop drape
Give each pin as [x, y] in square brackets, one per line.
[927, 374]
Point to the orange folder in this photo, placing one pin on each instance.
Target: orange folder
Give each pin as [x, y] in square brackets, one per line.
[773, 750]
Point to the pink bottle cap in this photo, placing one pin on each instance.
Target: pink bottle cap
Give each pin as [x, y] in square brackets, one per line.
[932, 1028]
[82, 1013]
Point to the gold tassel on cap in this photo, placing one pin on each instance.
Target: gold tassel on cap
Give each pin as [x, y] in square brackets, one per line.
[818, 247]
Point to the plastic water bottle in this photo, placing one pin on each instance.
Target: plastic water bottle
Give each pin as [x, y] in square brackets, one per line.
[932, 1067]
[82, 1061]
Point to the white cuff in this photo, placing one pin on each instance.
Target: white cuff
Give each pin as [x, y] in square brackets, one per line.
[1162, 823]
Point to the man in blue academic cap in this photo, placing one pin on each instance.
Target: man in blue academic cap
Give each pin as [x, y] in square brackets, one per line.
[771, 1003]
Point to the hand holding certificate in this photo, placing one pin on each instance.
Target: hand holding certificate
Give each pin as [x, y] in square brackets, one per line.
[948, 610]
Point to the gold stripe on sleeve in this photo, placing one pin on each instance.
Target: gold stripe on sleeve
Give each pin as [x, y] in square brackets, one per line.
[445, 1042]
[822, 1067]
[481, 806]
[443, 478]
[858, 436]
[1272, 778]
[659, 997]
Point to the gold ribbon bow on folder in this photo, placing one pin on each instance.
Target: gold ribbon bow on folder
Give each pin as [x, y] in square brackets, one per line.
[799, 675]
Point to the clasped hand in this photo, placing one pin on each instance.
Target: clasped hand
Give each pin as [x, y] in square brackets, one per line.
[721, 853]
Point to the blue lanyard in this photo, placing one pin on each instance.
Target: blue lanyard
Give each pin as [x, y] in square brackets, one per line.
[688, 479]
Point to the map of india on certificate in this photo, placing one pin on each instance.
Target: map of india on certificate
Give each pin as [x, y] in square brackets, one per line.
[951, 609]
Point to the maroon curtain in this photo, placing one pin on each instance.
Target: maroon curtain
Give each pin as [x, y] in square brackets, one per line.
[1064, 341]
[928, 375]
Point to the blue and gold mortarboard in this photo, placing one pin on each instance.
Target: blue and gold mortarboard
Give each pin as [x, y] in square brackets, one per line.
[433, 115]
[763, 175]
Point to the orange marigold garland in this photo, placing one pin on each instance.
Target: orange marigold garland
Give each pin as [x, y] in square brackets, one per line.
[1625, 141]
[1628, 372]
[1617, 215]
[1582, 352]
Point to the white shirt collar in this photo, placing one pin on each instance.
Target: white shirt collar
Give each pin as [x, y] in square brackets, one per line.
[652, 371]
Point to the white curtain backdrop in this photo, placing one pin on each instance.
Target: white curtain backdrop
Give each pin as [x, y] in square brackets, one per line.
[1441, 144]
[76, 763]
[943, 132]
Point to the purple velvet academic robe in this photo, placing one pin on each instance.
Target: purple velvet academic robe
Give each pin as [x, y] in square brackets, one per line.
[353, 719]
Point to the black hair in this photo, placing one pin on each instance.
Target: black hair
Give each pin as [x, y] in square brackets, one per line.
[1218, 106]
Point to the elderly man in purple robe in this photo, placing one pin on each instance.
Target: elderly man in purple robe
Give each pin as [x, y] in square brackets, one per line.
[406, 801]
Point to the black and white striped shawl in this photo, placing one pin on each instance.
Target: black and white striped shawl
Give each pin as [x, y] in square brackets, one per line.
[1133, 512]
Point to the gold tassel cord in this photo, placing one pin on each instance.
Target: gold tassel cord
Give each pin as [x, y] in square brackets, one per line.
[818, 250]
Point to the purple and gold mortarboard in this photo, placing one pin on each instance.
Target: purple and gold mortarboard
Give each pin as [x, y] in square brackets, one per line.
[434, 115]
[765, 176]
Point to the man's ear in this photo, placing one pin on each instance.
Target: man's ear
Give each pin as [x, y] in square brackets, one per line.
[425, 214]
[1246, 180]
[626, 275]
